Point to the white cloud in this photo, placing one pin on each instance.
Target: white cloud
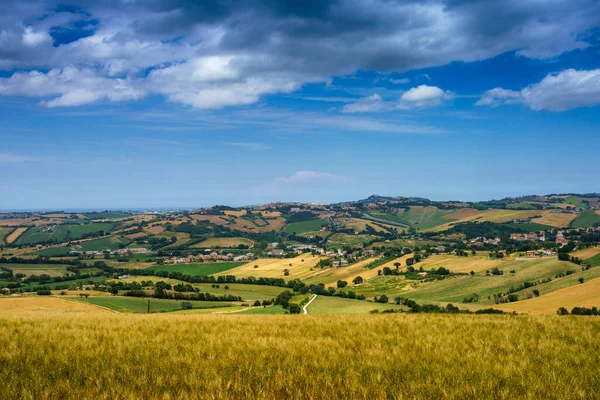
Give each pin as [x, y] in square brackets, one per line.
[372, 103]
[237, 52]
[303, 177]
[422, 97]
[498, 96]
[69, 87]
[563, 91]
[32, 38]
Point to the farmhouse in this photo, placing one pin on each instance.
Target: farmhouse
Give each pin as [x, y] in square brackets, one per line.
[276, 253]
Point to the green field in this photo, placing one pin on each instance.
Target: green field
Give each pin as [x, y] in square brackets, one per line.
[586, 219]
[106, 215]
[53, 251]
[520, 206]
[108, 243]
[197, 269]
[531, 227]
[593, 261]
[305, 226]
[264, 310]
[37, 269]
[575, 201]
[425, 217]
[338, 305]
[246, 292]
[140, 305]
[455, 289]
[4, 232]
[61, 233]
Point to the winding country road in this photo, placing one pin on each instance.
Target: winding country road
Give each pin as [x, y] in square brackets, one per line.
[308, 304]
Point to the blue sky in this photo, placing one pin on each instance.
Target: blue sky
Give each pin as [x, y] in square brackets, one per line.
[176, 104]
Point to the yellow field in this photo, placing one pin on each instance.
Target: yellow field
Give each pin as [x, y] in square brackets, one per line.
[360, 225]
[224, 242]
[275, 224]
[235, 213]
[57, 355]
[17, 305]
[330, 275]
[270, 214]
[273, 267]
[15, 235]
[454, 263]
[401, 260]
[587, 253]
[136, 235]
[498, 216]
[586, 294]
[156, 229]
[555, 219]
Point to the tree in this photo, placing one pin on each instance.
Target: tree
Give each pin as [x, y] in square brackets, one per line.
[342, 284]
[113, 290]
[536, 292]
[286, 272]
[562, 311]
[358, 280]
[472, 273]
[283, 299]
[397, 265]
[581, 280]
[382, 299]
[256, 303]
[295, 309]
[186, 305]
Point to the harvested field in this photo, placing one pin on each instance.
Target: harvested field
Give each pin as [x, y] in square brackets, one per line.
[14, 235]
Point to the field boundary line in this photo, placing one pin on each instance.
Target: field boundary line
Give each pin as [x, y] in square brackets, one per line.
[308, 304]
[90, 304]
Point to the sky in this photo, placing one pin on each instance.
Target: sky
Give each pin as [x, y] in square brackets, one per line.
[132, 104]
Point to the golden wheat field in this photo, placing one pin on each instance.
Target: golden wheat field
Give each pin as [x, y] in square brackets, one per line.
[586, 294]
[57, 355]
[14, 235]
[587, 253]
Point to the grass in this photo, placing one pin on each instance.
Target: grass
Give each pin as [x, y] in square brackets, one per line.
[4, 232]
[454, 290]
[106, 215]
[264, 310]
[53, 251]
[72, 356]
[108, 243]
[198, 269]
[426, 217]
[305, 226]
[531, 227]
[61, 233]
[593, 261]
[574, 201]
[352, 240]
[324, 305]
[586, 219]
[224, 243]
[140, 305]
[37, 269]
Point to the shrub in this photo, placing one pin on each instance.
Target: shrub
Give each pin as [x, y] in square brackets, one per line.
[43, 293]
[186, 305]
[295, 309]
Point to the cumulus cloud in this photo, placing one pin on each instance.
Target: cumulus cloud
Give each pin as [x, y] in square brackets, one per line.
[418, 97]
[219, 53]
[556, 92]
[422, 97]
[303, 177]
[69, 87]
